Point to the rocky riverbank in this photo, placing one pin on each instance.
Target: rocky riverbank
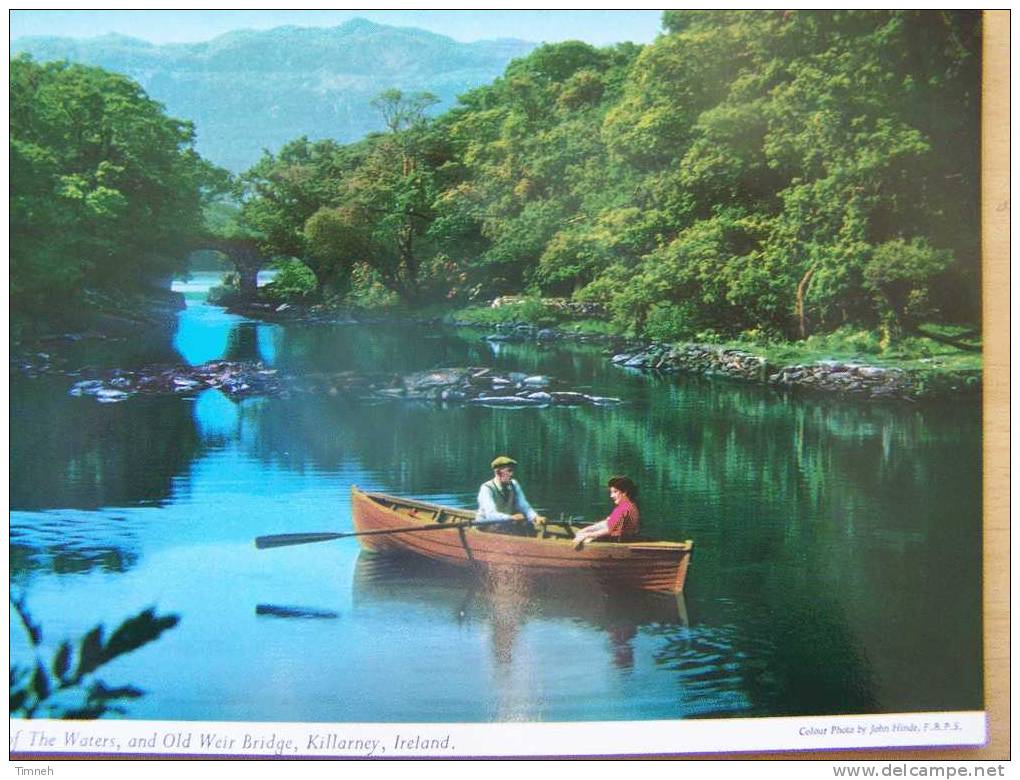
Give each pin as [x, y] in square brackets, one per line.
[857, 378]
[829, 376]
[852, 378]
[843, 377]
[235, 380]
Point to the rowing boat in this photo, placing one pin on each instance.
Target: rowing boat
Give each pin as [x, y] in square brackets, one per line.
[388, 521]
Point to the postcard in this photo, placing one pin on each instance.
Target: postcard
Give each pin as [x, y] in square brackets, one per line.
[498, 384]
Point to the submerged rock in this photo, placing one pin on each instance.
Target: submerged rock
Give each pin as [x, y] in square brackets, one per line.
[233, 379]
[107, 396]
[507, 401]
[473, 385]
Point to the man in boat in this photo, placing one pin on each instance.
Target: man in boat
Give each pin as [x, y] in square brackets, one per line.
[501, 498]
[622, 522]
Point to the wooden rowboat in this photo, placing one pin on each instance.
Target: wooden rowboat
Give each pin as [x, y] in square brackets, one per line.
[640, 564]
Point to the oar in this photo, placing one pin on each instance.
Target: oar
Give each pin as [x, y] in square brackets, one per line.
[283, 540]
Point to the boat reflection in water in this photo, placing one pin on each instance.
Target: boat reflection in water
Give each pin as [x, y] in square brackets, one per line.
[295, 612]
[508, 599]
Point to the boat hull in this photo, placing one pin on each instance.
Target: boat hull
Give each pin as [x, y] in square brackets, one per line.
[654, 566]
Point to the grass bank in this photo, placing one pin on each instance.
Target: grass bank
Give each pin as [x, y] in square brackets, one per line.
[940, 359]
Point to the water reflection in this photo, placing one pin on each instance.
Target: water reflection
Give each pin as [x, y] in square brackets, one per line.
[244, 344]
[205, 332]
[506, 600]
[70, 542]
[218, 418]
[549, 638]
[73, 452]
[836, 560]
[295, 613]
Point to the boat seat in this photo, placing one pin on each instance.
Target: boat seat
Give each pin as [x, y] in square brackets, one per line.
[553, 530]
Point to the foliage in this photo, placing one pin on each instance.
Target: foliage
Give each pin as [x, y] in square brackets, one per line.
[368, 291]
[783, 173]
[227, 293]
[334, 244]
[530, 310]
[669, 322]
[66, 687]
[294, 282]
[282, 192]
[106, 190]
[898, 274]
[383, 208]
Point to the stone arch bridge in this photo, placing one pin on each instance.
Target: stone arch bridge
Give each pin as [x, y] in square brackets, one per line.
[244, 255]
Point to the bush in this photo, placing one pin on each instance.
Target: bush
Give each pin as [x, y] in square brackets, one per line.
[294, 283]
[367, 290]
[226, 294]
[669, 322]
[531, 310]
[899, 276]
[846, 339]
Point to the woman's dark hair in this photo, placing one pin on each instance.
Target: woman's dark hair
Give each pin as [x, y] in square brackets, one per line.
[626, 485]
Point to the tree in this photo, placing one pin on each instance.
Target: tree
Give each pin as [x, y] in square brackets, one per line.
[747, 170]
[403, 112]
[106, 190]
[535, 176]
[831, 131]
[900, 274]
[385, 203]
[281, 191]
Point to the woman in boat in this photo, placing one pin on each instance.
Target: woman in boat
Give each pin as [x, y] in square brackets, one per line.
[623, 521]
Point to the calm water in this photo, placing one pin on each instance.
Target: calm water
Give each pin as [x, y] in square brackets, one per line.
[837, 544]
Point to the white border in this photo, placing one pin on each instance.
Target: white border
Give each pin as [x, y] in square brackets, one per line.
[30, 738]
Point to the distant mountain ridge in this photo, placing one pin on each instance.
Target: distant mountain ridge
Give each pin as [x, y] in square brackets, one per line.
[249, 90]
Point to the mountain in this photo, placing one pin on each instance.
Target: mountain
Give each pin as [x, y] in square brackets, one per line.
[251, 90]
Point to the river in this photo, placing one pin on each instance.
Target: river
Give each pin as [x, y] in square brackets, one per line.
[837, 543]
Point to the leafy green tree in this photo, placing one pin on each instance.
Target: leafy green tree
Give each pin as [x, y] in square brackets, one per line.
[534, 168]
[899, 274]
[788, 172]
[106, 190]
[337, 240]
[830, 132]
[281, 191]
[294, 281]
[385, 204]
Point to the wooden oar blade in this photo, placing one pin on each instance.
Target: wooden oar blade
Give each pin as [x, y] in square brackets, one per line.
[284, 540]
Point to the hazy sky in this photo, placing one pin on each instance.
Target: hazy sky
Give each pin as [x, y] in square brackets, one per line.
[596, 27]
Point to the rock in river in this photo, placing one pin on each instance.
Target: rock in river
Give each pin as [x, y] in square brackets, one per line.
[472, 385]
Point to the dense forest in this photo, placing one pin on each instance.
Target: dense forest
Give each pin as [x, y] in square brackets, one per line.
[773, 173]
